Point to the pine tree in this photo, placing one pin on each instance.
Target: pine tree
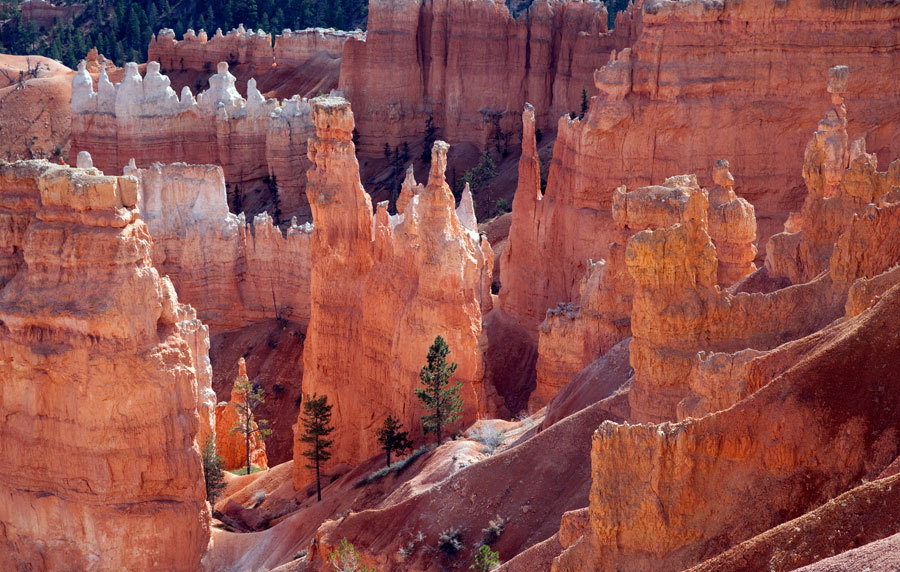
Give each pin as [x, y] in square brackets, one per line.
[438, 397]
[250, 399]
[430, 138]
[485, 559]
[392, 439]
[212, 470]
[584, 103]
[317, 426]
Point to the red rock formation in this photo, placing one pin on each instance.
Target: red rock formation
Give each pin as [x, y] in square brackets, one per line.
[45, 14]
[19, 200]
[572, 336]
[234, 273]
[381, 292]
[249, 49]
[812, 433]
[669, 106]
[100, 391]
[143, 119]
[469, 65]
[788, 425]
[231, 440]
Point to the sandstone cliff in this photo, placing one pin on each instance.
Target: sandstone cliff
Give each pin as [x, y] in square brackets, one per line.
[671, 104]
[783, 405]
[234, 272]
[255, 140]
[382, 288]
[471, 66]
[100, 386]
[241, 47]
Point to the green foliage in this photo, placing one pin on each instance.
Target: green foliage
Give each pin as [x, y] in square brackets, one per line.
[430, 138]
[275, 197]
[396, 467]
[250, 398]
[502, 206]
[316, 421]
[479, 175]
[485, 559]
[346, 559]
[121, 30]
[585, 103]
[393, 439]
[213, 474]
[243, 470]
[438, 397]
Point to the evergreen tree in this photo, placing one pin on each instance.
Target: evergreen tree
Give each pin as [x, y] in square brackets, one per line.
[438, 397]
[250, 398]
[316, 420]
[392, 439]
[213, 474]
[485, 559]
[430, 138]
[584, 103]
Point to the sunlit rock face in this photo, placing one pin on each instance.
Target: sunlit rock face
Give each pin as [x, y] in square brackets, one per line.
[669, 104]
[470, 66]
[255, 140]
[382, 288]
[233, 271]
[101, 385]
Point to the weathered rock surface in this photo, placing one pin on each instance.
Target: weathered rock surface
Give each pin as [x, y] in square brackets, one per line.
[254, 140]
[100, 388]
[471, 66]
[382, 288]
[241, 47]
[661, 112]
[571, 337]
[231, 439]
[44, 14]
[234, 272]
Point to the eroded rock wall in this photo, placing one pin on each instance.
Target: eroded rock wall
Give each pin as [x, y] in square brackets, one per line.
[254, 140]
[382, 288]
[471, 66]
[234, 272]
[99, 388]
[703, 81]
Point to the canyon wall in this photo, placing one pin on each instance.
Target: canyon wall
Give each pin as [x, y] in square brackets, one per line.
[100, 387]
[780, 392]
[233, 271]
[254, 50]
[44, 14]
[738, 81]
[471, 66]
[257, 141]
[382, 289]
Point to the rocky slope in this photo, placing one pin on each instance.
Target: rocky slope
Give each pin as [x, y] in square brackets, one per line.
[104, 389]
[383, 288]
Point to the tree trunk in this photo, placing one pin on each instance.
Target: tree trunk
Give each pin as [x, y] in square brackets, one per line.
[388, 457]
[247, 434]
[318, 480]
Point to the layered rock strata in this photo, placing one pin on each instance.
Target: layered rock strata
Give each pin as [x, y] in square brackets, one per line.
[255, 140]
[471, 66]
[778, 429]
[572, 336]
[749, 101]
[382, 289]
[100, 389]
[232, 440]
[198, 52]
[233, 271]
